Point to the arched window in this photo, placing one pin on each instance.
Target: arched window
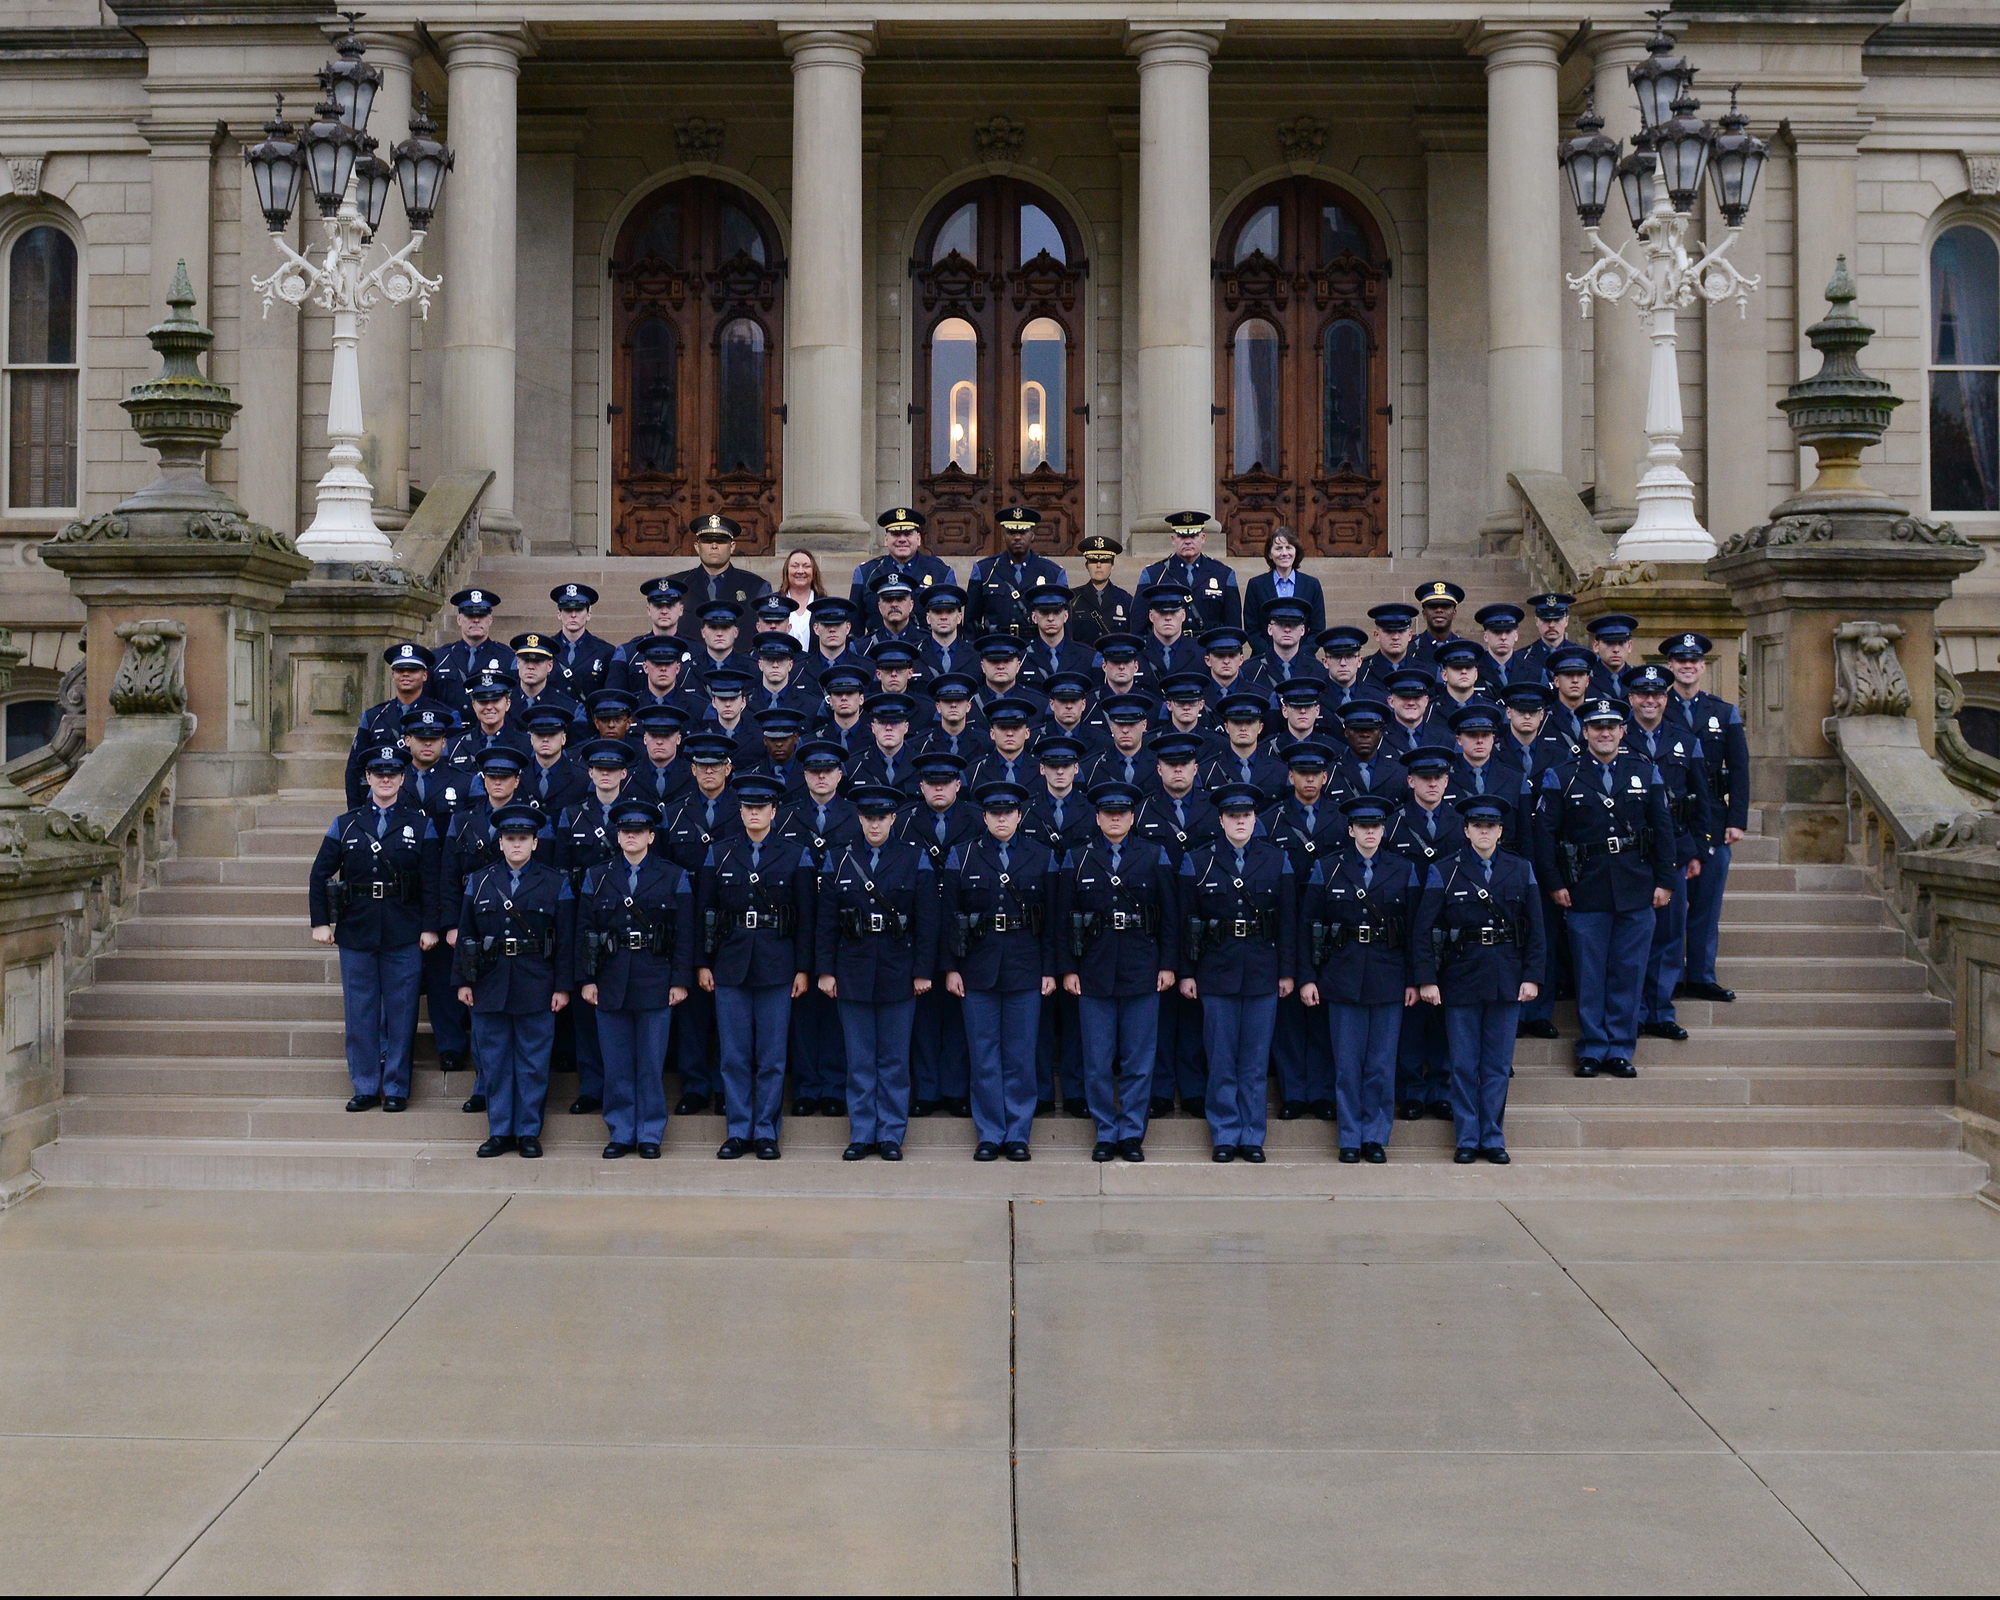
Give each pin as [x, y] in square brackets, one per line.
[40, 342]
[1301, 336]
[998, 271]
[698, 304]
[1965, 371]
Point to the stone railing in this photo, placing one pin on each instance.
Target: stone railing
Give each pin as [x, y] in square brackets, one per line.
[1970, 769]
[41, 773]
[1561, 546]
[436, 551]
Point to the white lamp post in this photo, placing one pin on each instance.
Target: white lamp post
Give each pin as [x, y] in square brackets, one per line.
[351, 184]
[1660, 181]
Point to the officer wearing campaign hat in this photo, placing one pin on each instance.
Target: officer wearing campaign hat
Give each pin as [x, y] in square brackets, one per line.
[582, 660]
[514, 961]
[999, 935]
[1307, 825]
[475, 651]
[1551, 629]
[876, 949]
[373, 892]
[1604, 837]
[717, 577]
[1356, 965]
[1611, 640]
[1216, 600]
[1100, 606]
[1394, 648]
[1052, 646]
[1000, 586]
[1677, 754]
[902, 535]
[635, 944]
[1725, 754]
[1117, 949]
[1479, 958]
[409, 676]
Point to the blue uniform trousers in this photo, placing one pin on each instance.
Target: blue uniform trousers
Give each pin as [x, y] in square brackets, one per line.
[877, 1089]
[1000, 1042]
[1423, 1057]
[1237, 1032]
[1365, 1040]
[1180, 1060]
[1482, 1060]
[1667, 959]
[1555, 929]
[1119, 1038]
[937, 1047]
[819, 1056]
[514, 1069]
[635, 1089]
[1608, 949]
[695, 1025]
[1704, 915]
[450, 1028]
[1299, 1051]
[378, 989]
[1058, 1047]
[589, 1053]
[753, 1024]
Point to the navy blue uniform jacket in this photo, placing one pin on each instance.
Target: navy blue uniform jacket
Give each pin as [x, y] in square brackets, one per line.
[1572, 808]
[1209, 888]
[1019, 958]
[877, 968]
[543, 909]
[1377, 972]
[1456, 895]
[784, 877]
[1115, 963]
[628, 979]
[404, 862]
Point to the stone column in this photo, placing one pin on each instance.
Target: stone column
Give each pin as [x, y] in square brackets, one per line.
[181, 167]
[1524, 280]
[1176, 365]
[1825, 154]
[825, 310]
[478, 302]
[1620, 355]
[385, 349]
[1455, 296]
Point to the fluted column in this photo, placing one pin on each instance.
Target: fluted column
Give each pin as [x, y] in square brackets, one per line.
[1620, 356]
[478, 301]
[1176, 365]
[825, 309]
[385, 348]
[1524, 286]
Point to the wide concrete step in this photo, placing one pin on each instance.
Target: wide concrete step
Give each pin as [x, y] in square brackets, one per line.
[1767, 877]
[214, 931]
[413, 1164]
[248, 872]
[301, 808]
[318, 1041]
[214, 900]
[1754, 848]
[168, 1003]
[292, 843]
[1807, 942]
[1813, 910]
[176, 965]
[1770, 975]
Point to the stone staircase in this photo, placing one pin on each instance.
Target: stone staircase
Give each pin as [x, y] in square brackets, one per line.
[206, 1052]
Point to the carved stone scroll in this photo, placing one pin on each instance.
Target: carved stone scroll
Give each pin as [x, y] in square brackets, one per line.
[1868, 679]
[152, 678]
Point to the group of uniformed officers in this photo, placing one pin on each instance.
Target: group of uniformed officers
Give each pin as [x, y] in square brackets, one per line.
[980, 850]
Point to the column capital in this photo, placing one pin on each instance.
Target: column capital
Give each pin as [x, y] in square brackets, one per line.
[185, 135]
[396, 44]
[814, 44]
[1508, 45]
[1192, 41]
[1444, 131]
[1619, 47]
[498, 47]
[1824, 136]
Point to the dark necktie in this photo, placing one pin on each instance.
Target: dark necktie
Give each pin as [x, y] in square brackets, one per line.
[1310, 813]
[756, 854]
[1486, 869]
[1431, 824]
[1367, 770]
[1243, 766]
[1239, 863]
[1607, 778]
[1056, 806]
[1478, 780]
[544, 780]
[1129, 772]
[1003, 858]
[1180, 813]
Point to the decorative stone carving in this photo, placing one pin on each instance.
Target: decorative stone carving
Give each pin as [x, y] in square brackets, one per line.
[379, 572]
[1983, 173]
[698, 138]
[1868, 679]
[1917, 530]
[67, 745]
[24, 174]
[108, 526]
[998, 138]
[1302, 138]
[152, 678]
[1620, 575]
[1784, 531]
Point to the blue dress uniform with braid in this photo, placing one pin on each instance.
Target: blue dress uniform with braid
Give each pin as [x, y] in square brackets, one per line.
[1678, 755]
[636, 931]
[693, 824]
[532, 914]
[1725, 753]
[1300, 1047]
[940, 1068]
[1423, 1056]
[1063, 823]
[1180, 1060]
[819, 1058]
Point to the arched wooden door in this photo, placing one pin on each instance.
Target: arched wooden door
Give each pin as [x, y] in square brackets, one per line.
[999, 416]
[697, 312]
[1302, 329]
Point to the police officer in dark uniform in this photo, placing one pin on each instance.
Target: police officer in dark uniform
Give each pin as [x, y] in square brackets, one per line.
[472, 653]
[1424, 831]
[756, 898]
[1309, 828]
[1602, 831]
[491, 696]
[409, 673]
[582, 660]
[1439, 602]
[1551, 630]
[831, 646]
[1239, 960]
[1394, 650]
[553, 779]
[665, 608]
[1179, 817]
[1338, 650]
[1244, 758]
[584, 838]
[514, 962]
[1100, 606]
[958, 728]
[1216, 600]
[1272, 669]
[1059, 814]
[1611, 640]
[635, 942]
[941, 823]
[999, 936]
[532, 652]
[1499, 643]
[876, 953]
[1483, 767]
[1117, 949]
[1167, 647]
[431, 783]
[892, 614]
[717, 577]
[902, 531]
[1479, 955]
[1725, 754]
[1413, 691]
[1007, 723]
[1678, 755]
[1365, 767]
[1356, 930]
[1052, 644]
[819, 819]
[440, 793]
[888, 756]
[945, 647]
[1000, 657]
[999, 587]
[660, 777]
[707, 812]
[374, 893]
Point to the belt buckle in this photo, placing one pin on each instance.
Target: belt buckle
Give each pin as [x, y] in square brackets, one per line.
[876, 924]
[1364, 935]
[1118, 921]
[1613, 845]
[1489, 936]
[510, 947]
[1001, 924]
[751, 922]
[634, 939]
[1240, 928]
[378, 890]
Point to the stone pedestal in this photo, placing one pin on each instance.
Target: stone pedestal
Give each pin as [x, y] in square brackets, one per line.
[1667, 597]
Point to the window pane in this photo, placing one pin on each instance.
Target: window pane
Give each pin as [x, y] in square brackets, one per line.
[41, 439]
[954, 408]
[1038, 233]
[1339, 235]
[1259, 233]
[30, 725]
[1965, 299]
[1344, 404]
[739, 445]
[662, 236]
[740, 233]
[1044, 404]
[41, 298]
[655, 398]
[1254, 396]
[1965, 442]
[960, 232]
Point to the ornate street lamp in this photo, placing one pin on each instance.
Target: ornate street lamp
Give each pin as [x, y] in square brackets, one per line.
[335, 156]
[1661, 179]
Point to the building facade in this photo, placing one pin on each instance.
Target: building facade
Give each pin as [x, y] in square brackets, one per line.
[1300, 264]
